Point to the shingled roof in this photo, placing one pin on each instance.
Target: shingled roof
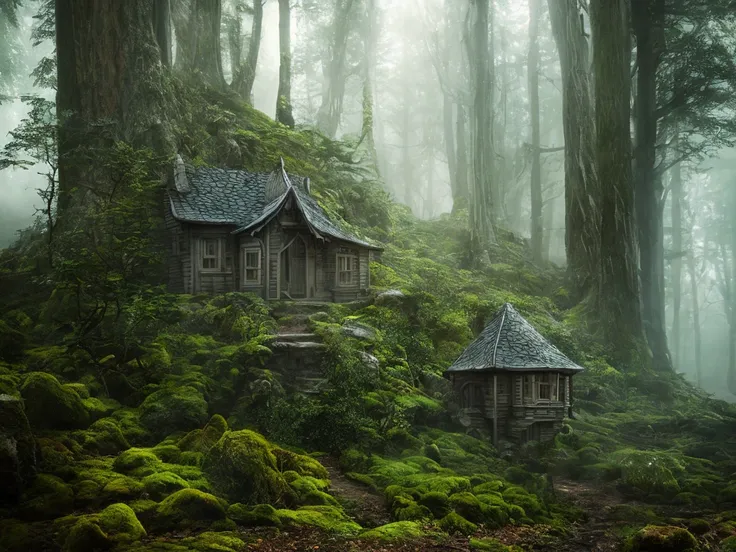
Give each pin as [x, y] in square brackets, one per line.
[235, 197]
[510, 343]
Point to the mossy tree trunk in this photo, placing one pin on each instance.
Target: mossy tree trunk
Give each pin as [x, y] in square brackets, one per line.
[617, 303]
[110, 82]
[582, 210]
[676, 198]
[284, 113]
[330, 111]
[197, 24]
[537, 226]
[244, 71]
[461, 192]
[648, 23]
[369, 31]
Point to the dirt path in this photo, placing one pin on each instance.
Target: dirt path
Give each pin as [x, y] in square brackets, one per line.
[365, 505]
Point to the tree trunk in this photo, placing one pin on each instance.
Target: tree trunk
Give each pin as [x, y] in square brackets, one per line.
[697, 339]
[676, 195]
[731, 307]
[207, 16]
[460, 195]
[582, 192]
[283, 101]
[537, 228]
[481, 209]
[618, 285]
[369, 29]
[181, 17]
[245, 75]
[109, 71]
[162, 28]
[648, 19]
[330, 112]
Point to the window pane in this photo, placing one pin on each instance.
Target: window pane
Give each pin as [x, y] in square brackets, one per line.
[210, 248]
[251, 259]
[251, 275]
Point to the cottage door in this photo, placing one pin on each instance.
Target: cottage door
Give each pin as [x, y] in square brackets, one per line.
[294, 269]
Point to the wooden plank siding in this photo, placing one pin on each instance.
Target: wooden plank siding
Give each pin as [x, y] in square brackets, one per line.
[177, 252]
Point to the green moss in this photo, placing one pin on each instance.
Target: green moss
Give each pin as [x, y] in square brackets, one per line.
[86, 535]
[728, 544]
[187, 509]
[173, 409]
[395, 532]
[667, 538]
[327, 518]
[49, 497]
[79, 388]
[103, 437]
[22, 536]
[138, 462]
[437, 503]
[242, 467]
[648, 472]
[117, 524]
[122, 488]
[262, 515]
[697, 526]
[167, 453]
[130, 424]
[404, 508]
[468, 506]
[120, 522]
[161, 485]
[50, 406]
[433, 451]
[202, 440]
[491, 545]
[54, 455]
[301, 464]
[454, 523]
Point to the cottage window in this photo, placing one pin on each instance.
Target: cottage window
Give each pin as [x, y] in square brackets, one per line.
[210, 248]
[545, 391]
[252, 265]
[563, 388]
[471, 396]
[528, 386]
[346, 267]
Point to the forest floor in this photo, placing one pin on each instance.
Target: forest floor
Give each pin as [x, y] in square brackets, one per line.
[596, 533]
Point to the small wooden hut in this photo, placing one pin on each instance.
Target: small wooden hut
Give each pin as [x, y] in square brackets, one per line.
[512, 382]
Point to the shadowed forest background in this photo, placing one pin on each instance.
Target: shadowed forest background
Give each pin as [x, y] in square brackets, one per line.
[573, 158]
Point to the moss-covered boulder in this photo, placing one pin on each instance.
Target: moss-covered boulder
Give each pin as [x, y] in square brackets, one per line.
[327, 518]
[104, 437]
[189, 509]
[17, 450]
[138, 462]
[262, 515]
[243, 467]
[455, 523]
[50, 406]
[437, 503]
[395, 532]
[173, 409]
[661, 538]
[161, 485]
[728, 544]
[49, 497]
[115, 525]
[202, 440]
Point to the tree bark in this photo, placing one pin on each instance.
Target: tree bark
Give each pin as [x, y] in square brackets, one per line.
[330, 111]
[110, 77]
[618, 285]
[460, 196]
[283, 101]
[648, 20]
[207, 51]
[697, 339]
[676, 195]
[162, 28]
[582, 189]
[537, 227]
[245, 75]
[369, 30]
[482, 233]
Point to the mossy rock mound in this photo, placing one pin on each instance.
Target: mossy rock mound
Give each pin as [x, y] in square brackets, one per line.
[330, 519]
[728, 544]
[161, 485]
[189, 509]
[662, 538]
[49, 497]
[104, 438]
[51, 406]
[137, 462]
[455, 523]
[243, 467]
[202, 440]
[173, 409]
[115, 525]
[395, 532]
[262, 515]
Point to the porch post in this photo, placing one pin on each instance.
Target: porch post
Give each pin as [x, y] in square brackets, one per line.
[495, 410]
[569, 408]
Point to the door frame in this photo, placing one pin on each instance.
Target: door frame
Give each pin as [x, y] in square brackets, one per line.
[306, 265]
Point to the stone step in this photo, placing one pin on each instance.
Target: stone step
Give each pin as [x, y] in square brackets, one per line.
[296, 337]
[297, 345]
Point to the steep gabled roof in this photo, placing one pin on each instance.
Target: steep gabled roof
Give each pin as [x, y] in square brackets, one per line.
[248, 200]
[511, 343]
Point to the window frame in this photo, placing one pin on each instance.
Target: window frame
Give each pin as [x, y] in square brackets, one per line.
[217, 257]
[258, 268]
[352, 260]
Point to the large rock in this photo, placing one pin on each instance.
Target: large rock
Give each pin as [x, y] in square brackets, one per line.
[359, 331]
[390, 297]
[17, 450]
[51, 406]
[173, 409]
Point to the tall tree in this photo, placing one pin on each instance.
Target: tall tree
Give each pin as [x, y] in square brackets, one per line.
[582, 209]
[482, 232]
[109, 84]
[197, 24]
[244, 71]
[369, 31]
[648, 22]
[677, 254]
[330, 111]
[537, 228]
[283, 100]
[618, 285]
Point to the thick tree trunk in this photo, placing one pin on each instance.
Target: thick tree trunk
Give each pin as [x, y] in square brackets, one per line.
[245, 75]
[283, 101]
[676, 195]
[695, 304]
[207, 17]
[109, 85]
[582, 192]
[369, 30]
[461, 193]
[482, 233]
[330, 112]
[648, 19]
[537, 228]
[162, 28]
[618, 284]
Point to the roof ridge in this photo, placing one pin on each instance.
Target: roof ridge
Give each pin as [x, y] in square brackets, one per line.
[498, 334]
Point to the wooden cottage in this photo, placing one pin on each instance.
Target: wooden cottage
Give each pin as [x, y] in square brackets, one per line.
[512, 382]
[233, 230]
